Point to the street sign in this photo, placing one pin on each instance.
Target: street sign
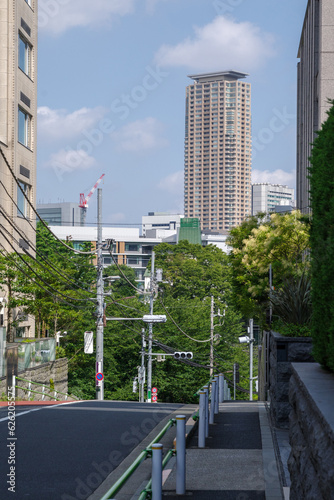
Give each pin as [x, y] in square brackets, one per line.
[154, 398]
[99, 376]
[154, 390]
[88, 343]
[154, 318]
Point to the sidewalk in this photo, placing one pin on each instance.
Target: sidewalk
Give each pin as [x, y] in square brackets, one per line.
[238, 462]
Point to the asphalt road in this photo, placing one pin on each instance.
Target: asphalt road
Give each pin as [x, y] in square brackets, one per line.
[65, 452]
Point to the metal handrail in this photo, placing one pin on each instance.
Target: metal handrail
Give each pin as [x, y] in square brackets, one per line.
[208, 383]
[142, 456]
[54, 398]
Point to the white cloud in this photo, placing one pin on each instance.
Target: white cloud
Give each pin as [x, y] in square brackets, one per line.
[140, 135]
[173, 183]
[58, 124]
[67, 161]
[221, 44]
[278, 176]
[60, 15]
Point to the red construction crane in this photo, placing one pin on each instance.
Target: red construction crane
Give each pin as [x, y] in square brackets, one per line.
[83, 204]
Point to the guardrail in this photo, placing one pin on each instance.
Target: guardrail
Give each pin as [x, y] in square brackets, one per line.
[153, 489]
[43, 393]
[146, 453]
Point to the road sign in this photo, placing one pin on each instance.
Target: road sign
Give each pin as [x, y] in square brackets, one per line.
[154, 390]
[88, 343]
[99, 376]
[154, 398]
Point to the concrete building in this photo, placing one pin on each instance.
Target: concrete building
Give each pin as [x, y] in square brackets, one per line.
[266, 196]
[217, 165]
[129, 247]
[315, 86]
[60, 214]
[18, 108]
[160, 224]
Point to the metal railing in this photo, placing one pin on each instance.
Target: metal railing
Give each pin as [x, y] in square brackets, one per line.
[43, 392]
[146, 453]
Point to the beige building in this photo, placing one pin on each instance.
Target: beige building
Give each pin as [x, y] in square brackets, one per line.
[18, 103]
[315, 86]
[217, 167]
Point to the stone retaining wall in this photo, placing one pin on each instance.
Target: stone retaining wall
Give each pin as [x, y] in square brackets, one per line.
[56, 370]
[282, 352]
[311, 462]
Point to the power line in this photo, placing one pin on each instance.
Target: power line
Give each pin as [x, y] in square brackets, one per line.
[39, 277]
[34, 210]
[28, 241]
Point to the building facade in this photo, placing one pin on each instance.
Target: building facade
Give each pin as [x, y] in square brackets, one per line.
[315, 86]
[265, 197]
[60, 214]
[18, 109]
[217, 165]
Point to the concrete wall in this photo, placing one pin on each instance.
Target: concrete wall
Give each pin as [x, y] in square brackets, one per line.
[311, 432]
[282, 352]
[55, 370]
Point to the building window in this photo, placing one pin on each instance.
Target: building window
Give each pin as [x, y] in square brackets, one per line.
[22, 204]
[24, 55]
[23, 129]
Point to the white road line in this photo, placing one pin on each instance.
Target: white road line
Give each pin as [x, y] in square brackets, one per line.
[37, 409]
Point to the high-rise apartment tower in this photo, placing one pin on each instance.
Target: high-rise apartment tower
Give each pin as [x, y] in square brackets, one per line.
[217, 167]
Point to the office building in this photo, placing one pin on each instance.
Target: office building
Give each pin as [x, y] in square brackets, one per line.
[217, 165]
[265, 197]
[315, 86]
[60, 214]
[18, 106]
[160, 224]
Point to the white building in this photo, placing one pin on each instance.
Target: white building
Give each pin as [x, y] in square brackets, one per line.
[160, 224]
[266, 196]
[60, 214]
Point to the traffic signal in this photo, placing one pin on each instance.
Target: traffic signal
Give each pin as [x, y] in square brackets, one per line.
[183, 355]
[236, 373]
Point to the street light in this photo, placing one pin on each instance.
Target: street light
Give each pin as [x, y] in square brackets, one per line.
[245, 339]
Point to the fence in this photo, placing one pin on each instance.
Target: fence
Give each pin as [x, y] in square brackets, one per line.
[208, 407]
[28, 390]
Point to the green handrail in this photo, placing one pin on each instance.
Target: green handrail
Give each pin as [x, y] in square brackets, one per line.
[143, 455]
[208, 383]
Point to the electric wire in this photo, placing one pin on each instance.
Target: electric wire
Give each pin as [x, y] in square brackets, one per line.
[28, 220]
[8, 256]
[28, 241]
[35, 273]
[179, 328]
[34, 210]
[124, 276]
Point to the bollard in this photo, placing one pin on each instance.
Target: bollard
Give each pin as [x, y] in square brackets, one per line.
[156, 471]
[229, 394]
[212, 404]
[180, 454]
[225, 390]
[202, 419]
[217, 395]
[221, 388]
[206, 388]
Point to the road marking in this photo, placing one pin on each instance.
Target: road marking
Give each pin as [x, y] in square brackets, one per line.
[139, 410]
[35, 409]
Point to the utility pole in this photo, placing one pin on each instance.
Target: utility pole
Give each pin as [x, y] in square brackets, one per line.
[150, 328]
[211, 336]
[251, 341]
[142, 368]
[100, 302]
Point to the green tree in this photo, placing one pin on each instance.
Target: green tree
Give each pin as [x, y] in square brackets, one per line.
[282, 242]
[322, 241]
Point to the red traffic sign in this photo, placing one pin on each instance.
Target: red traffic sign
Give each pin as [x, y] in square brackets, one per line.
[154, 390]
[154, 398]
[99, 376]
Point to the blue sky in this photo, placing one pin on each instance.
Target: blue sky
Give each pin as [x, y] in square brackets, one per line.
[111, 94]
